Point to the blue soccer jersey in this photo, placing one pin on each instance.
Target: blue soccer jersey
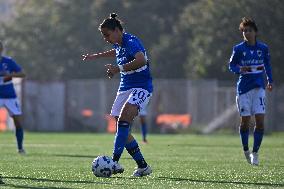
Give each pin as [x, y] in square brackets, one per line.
[8, 65]
[139, 78]
[257, 58]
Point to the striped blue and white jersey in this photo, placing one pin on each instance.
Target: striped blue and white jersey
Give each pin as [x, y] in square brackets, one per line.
[139, 78]
[258, 59]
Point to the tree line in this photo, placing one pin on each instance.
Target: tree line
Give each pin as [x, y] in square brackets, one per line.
[184, 39]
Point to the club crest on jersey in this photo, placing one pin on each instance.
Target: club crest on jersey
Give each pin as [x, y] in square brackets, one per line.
[259, 53]
[244, 53]
[251, 52]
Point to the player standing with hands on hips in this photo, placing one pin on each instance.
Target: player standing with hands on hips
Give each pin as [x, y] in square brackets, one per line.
[134, 91]
[250, 60]
[8, 98]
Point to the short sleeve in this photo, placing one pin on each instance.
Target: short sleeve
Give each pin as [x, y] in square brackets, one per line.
[133, 47]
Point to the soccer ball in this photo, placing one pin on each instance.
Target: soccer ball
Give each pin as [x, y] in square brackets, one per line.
[102, 166]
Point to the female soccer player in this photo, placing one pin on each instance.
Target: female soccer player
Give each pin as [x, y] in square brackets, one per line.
[134, 91]
[8, 98]
[250, 60]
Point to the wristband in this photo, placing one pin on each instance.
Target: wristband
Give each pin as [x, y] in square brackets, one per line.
[120, 68]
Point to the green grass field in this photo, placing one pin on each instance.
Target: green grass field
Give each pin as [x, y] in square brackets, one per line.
[178, 161]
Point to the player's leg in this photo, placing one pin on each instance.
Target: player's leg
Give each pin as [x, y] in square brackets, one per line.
[244, 134]
[243, 104]
[19, 132]
[133, 149]
[259, 111]
[258, 136]
[258, 132]
[127, 104]
[139, 97]
[121, 132]
[117, 168]
[128, 112]
[143, 127]
[15, 112]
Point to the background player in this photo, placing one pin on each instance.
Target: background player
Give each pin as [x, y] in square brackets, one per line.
[134, 91]
[143, 122]
[8, 98]
[250, 59]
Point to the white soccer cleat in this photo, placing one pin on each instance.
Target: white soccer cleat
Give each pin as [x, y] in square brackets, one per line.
[254, 158]
[22, 151]
[140, 172]
[117, 168]
[247, 155]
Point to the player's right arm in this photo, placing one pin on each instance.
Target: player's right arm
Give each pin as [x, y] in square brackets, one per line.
[110, 53]
[234, 65]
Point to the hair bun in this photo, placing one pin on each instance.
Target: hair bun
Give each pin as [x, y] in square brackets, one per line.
[113, 15]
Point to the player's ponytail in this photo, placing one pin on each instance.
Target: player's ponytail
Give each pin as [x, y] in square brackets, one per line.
[111, 23]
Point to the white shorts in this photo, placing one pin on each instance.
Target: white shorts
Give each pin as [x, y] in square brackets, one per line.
[12, 105]
[137, 96]
[252, 102]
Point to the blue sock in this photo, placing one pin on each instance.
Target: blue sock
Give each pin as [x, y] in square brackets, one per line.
[134, 150]
[144, 131]
[258, 135]
[244, 133]
[20, 137]
[120, 139]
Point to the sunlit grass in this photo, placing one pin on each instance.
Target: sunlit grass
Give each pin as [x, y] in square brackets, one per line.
[178, 161]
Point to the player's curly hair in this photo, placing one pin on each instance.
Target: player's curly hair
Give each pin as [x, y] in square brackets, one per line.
[248, 22]
[111, 23]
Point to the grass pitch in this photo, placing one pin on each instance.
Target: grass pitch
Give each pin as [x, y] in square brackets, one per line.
[178, 161]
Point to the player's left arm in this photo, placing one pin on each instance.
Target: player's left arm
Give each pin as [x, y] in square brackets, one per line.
[136, 51]
[268, 69]
[138, 62]
[234, 62]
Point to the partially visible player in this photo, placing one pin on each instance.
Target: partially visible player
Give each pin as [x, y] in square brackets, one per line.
[8, 99]
[251, 60]
[143, 122]
[134, 92]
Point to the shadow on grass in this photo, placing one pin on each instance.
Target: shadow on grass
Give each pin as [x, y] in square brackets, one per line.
[205, 146]
[56, 181]
[73, 155]
[31, 187]
[81, 156]
[220, 182]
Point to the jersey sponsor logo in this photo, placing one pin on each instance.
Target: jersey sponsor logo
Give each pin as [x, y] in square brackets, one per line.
[252, 61]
